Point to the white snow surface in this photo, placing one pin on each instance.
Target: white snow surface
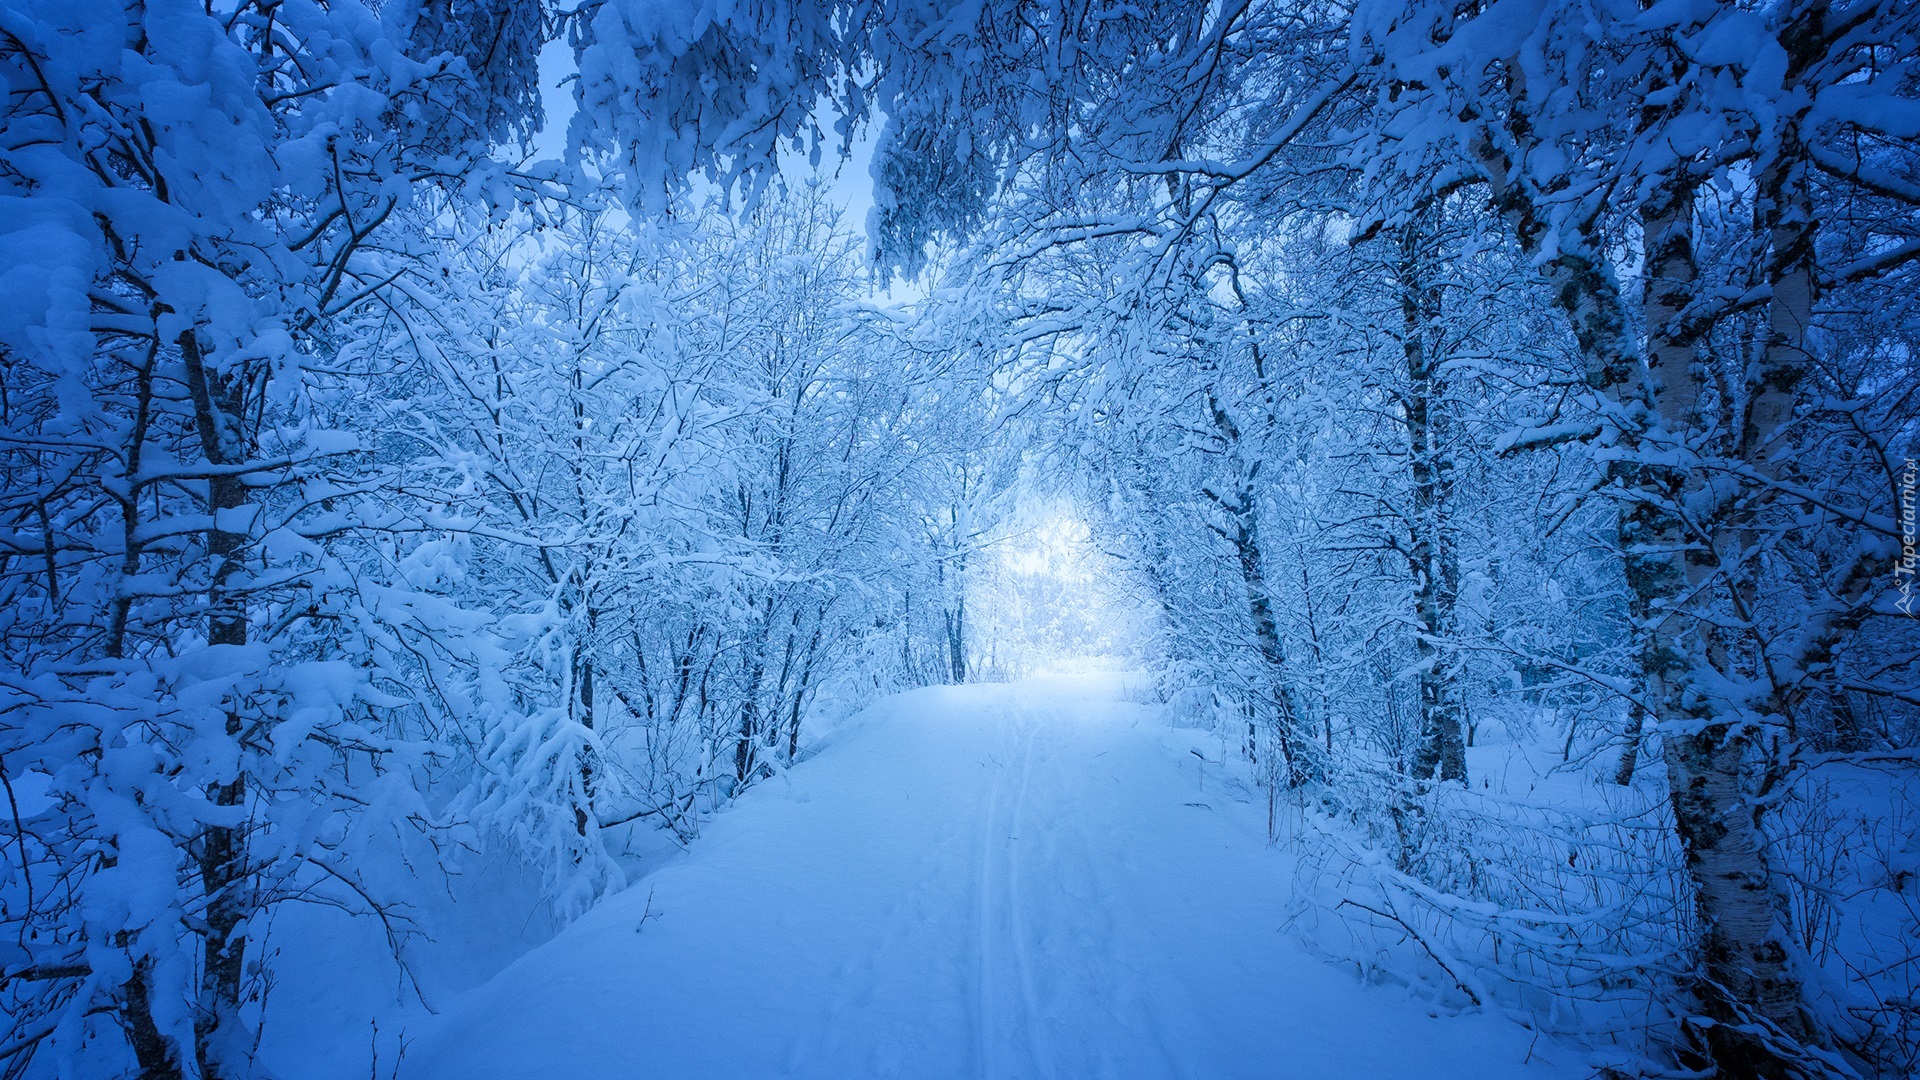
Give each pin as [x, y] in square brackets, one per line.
[1025, 880]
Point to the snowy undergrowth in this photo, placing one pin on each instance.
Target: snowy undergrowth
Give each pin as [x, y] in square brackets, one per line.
[1566, 914]
[346, 990]
[1545, 892]
[1848, 842]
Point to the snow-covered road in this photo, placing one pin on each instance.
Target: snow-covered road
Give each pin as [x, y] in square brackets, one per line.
[1017, 881]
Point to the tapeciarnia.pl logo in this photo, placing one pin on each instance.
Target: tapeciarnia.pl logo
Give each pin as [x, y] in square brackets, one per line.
[1903, 570]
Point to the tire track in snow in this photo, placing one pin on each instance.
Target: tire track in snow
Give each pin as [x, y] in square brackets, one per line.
[1033, 1028]
[985, 1059]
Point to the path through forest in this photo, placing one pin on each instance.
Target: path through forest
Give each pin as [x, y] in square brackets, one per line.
[1005, 881]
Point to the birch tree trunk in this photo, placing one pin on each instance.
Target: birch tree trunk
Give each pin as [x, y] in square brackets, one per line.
[1747, 983]
[1434, 557]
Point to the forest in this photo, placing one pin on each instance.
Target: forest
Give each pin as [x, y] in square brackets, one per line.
[460, 457]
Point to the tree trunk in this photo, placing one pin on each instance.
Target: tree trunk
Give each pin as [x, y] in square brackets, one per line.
[583, 706]
[1745, 962]
[1630, 752]
[1434, 556]
[956, 620]
[219, 413]
[801, 691]
[1319, 657]
[1746, 968]
[1244, 534]
[151, 1050]
[745, 739]
[1747, 974]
